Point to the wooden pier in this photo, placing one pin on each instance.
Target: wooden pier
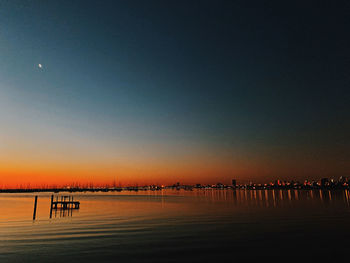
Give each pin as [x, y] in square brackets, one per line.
[64, 202]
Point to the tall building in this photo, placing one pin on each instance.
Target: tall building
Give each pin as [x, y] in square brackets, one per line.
[342, 179]
[234, 182]
[324, 182]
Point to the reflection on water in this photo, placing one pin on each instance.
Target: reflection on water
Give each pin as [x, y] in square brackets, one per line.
[188, 225]
[62, 212]
[277, 198]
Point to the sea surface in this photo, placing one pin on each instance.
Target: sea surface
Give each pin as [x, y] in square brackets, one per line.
[178, 226]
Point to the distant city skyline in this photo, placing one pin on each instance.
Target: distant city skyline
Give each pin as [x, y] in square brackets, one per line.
[154, 92]
[327, 183]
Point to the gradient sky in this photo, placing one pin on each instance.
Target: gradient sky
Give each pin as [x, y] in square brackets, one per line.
[168, 91]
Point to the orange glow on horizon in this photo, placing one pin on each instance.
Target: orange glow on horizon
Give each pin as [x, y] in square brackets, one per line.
[29, 169]
[44, 174]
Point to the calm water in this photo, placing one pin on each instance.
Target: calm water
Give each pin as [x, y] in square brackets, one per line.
[169, 226]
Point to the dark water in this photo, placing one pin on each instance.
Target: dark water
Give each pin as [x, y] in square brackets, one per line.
[172, 226]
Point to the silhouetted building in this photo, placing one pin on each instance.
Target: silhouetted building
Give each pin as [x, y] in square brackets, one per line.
[342, 180]
[324, 182]
[219, 185]
[234, 183]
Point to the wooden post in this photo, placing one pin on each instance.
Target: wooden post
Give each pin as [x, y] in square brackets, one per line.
[35, 203]
[51, 206]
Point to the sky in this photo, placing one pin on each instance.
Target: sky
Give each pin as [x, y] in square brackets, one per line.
[159, 92]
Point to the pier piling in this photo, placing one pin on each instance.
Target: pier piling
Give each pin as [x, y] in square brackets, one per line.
[35, 204]
[51, 204]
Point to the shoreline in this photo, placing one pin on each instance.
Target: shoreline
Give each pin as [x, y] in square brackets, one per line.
[80, 190]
